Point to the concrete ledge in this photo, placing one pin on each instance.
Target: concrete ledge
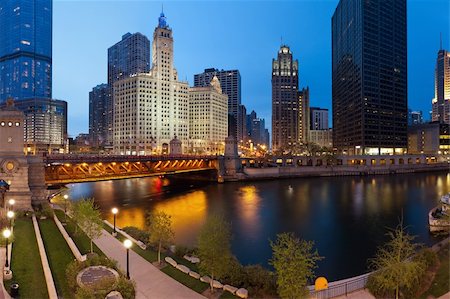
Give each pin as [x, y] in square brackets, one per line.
[45, 266]
[137, 242]
[76, 252]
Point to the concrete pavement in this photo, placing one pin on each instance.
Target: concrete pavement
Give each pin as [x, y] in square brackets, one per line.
[150, 282]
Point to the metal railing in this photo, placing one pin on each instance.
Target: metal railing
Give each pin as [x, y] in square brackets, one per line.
[341, 287]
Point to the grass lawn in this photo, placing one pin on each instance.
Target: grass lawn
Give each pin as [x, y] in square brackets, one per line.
[190, 282]
[227, 295]
[26, 262]
[59, 255]
[80, 238]
[441, 282]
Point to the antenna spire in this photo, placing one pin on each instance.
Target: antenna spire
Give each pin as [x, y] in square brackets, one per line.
[281, 40]
[440, 45]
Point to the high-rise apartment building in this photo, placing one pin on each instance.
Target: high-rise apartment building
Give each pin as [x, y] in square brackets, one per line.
[98, 127]
[230, 81]
[208, 125]
[318, 118]
[369, 76]
[290, 107]
[129, 56]
[25, 49]
[150, 109]
[441, 100]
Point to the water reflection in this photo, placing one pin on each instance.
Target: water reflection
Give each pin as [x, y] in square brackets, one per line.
[347, 217]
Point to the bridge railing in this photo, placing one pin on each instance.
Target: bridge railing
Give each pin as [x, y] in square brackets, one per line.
[70, 158]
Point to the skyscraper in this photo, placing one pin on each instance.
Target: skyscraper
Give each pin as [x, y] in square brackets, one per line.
[129, 56]
[150, 109]
[290, 106]
[369, 76]
[441, 101]
[98, 128]
[25, 49]
[318, 118]
[230, 81]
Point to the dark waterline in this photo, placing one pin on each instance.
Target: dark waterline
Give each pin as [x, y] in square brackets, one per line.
[347, 217]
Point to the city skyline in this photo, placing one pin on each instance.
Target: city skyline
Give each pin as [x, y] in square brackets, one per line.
[248, 49]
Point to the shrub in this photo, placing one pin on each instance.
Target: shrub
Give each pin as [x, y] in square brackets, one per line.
[126, 288]
[85, 293]
[427, 257]
[137, 233]
[259, 281]
[181, 250]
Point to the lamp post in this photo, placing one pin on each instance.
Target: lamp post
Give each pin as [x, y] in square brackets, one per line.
[66, 197]
[127, 243]
[11, 204]
[114, 211]
[10, 215]
[6, 234]
[4, 186]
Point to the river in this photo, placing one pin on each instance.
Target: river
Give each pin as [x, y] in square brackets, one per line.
[346, 217]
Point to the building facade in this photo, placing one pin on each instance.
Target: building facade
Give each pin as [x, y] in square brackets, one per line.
[414, 117]
[318, 118]
[129, 56]
[99, 97]
[429, 138]
[441, 100]
[150, 109]
[25, 49]
[323, 138]
[369, 77]
[230, 81]
[45, 125]
[257, 132]
[289, 106]
[208, 124]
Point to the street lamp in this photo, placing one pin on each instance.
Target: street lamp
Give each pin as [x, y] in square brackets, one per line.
[114, 211]
[127, 243]
[6, 234]
[66, 197]
[11, 203]
[10, 215]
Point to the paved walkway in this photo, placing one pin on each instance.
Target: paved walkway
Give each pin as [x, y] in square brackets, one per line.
[361, 294]
[150, 282]
[3, 293]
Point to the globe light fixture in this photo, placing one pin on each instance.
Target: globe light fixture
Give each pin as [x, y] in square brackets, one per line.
[127, 244]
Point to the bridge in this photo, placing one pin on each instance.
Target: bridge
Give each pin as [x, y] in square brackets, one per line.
[63, 169]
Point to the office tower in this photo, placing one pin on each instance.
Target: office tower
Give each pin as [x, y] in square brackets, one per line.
[303, 115]
[318, 118]
[369, 77]
[129, 56]
[414, 117]
[98, 128]
[429, 138]
[323, 138]
[25, 49]
[256, 130]
[45, 126]
[441, 101]
[243, 128]
[285, 100]
[208, 124]
[230, 81]
[150, 109]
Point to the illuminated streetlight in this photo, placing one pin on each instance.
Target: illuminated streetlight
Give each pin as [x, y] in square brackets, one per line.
[11, 203]
[6, 234]
[127, 243]
[10, 215]
[114, 211]
[66, 197]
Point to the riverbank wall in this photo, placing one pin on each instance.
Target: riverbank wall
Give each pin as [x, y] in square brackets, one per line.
[254, 173]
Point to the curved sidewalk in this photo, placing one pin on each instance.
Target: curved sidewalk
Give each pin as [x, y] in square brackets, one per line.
[150, 282]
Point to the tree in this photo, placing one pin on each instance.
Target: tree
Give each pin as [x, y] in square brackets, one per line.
[87, 215]
[396, 270]
[294, 261]
[214, 248]
[159, 226]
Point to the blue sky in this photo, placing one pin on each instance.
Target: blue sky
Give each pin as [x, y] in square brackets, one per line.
[243, 35]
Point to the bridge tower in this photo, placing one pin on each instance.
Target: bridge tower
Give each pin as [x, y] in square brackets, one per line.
[13, 162]
[230, 166]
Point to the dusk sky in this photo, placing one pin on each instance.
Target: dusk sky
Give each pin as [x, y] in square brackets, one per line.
[244, 35]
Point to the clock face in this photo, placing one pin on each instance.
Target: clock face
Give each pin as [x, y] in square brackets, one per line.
[165, 45]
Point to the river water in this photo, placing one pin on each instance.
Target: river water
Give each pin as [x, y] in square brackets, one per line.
[346, 217]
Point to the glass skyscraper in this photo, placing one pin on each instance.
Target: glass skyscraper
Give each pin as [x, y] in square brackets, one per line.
[369, 76]
[25, 49]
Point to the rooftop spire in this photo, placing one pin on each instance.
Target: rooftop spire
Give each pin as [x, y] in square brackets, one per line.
[162, 21]
[440, 44]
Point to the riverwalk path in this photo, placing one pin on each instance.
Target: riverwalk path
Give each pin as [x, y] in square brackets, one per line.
[150, 281]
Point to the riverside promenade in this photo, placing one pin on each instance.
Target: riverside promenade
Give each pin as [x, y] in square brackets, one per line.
[150, 282]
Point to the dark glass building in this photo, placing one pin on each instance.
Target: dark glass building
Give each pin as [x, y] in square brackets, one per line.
[98, 129]
[230, 82]
[129, 56]
[25, 49]
[369, 76]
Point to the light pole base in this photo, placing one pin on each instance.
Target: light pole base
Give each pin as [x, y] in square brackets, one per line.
[7, 274]
[114, 234]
